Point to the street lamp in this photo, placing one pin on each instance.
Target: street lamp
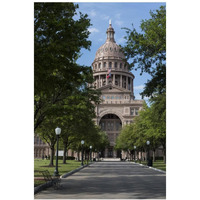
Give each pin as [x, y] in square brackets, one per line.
[82, 143]
[90, 153]
[134, 151]
[148, 160]
[58, 131]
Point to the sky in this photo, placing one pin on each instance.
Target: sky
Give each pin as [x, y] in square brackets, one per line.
[122, 15]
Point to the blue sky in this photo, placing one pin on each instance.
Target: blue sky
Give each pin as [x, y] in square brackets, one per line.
[121, 15]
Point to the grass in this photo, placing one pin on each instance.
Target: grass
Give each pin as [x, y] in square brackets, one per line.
[40, 165]
[158, 164]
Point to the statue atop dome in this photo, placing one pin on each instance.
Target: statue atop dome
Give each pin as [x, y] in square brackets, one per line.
[110, 33]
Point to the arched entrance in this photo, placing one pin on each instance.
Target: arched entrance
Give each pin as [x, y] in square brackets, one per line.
[111, 124]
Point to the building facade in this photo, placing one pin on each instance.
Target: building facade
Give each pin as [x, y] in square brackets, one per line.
[115, 81]
[118, 107]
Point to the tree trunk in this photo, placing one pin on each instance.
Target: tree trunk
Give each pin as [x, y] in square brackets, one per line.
[154, 152]
[64, 153]
[141, 156]
[164, 156]
[78, 155]
[51, 156]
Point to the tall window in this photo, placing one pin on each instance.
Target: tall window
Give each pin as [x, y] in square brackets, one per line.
[99, 65]
[136, 111]
[108, 127]
[110, 65]
[104, 64]
[115, 64]
[102, 126]
[131, 111]
[111, 126]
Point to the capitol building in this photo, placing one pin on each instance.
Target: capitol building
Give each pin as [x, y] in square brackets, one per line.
[115, 81]
[118, 106]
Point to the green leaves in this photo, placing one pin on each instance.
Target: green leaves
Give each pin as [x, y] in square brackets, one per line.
[149, 125]
[58, 39]
[147, 50]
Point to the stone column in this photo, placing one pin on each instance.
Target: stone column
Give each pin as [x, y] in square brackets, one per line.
[106, 80]
[132, 85]
[121, 81]
[131, 82]
[127, 82]
[113, 79]
[96, 82]
[99, 82]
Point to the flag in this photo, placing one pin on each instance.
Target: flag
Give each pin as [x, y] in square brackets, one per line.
[109, 74]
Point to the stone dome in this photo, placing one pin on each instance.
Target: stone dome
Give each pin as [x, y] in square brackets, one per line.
[110, 48]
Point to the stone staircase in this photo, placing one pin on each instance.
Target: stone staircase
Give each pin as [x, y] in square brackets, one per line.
[111, 159]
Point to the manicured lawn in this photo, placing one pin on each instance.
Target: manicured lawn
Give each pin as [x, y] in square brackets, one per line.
[159, 164]
[40, 165]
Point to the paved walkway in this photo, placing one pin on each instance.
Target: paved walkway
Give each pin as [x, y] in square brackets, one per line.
[110, 180]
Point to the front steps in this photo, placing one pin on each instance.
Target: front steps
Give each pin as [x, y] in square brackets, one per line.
[111, 159]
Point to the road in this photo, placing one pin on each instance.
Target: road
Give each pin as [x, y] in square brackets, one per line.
[110, 180]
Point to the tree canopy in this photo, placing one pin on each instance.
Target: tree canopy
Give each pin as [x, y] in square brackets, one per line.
[58, 39]
[146, 51]
[150, 125]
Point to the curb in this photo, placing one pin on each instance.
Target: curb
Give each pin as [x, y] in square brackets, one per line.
[49, 184]
[42, 187]
[73, 171]
[149, 167]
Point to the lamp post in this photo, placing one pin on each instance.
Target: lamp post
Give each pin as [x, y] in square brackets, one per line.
[90, 153]
[58, 131]
[82, 143]
[148, 143]
[134, 151]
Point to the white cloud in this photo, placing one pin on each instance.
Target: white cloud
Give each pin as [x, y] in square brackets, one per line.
[105, 17]
[118, 16]
[120, 40]
[93, 30]
[92, 13]
[100, 39]
[138, 96]
[139, 87]
[119, 22]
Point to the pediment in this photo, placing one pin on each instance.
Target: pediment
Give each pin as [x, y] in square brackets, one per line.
[113, 89]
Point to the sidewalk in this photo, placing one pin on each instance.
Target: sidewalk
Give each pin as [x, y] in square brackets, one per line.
[110, 180]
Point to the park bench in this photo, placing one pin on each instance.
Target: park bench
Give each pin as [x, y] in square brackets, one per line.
[48, 178]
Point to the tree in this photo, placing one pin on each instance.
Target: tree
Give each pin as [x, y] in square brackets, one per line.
[77, 118]
[150, 125]
[58, 39]
[47, 133]
[158, 120]
[147, 51]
